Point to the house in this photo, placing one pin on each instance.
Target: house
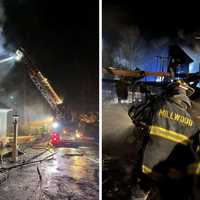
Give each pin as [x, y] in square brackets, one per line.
[4, 110]
[179, 60]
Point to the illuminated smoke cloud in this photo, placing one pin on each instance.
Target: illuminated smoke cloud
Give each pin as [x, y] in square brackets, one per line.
[6, 59]
[130, 49]
[23, 97]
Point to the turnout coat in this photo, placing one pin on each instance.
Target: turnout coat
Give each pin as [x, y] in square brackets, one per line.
[170, 147]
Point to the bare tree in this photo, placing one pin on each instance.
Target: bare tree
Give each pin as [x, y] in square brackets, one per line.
[130, 48]
[107, 52]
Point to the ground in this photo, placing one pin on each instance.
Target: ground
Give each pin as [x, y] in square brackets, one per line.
[71, 173]
[120, 147]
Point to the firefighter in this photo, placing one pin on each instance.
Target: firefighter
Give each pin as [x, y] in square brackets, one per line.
[169, 161]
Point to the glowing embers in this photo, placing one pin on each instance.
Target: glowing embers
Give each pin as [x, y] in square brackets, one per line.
[57, 100]
[78, 135]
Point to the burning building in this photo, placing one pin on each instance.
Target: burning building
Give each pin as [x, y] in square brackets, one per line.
[4, 118]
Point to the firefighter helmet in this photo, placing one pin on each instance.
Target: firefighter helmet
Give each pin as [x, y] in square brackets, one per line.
[180, 86]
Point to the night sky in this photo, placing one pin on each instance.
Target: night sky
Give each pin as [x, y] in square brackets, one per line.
[154, 19]
[149, 28]
[62, 38]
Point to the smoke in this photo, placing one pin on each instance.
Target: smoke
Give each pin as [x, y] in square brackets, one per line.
[190, 42]
[130, 48]
[150, 38]
[6, 59]
[2, 14]
[127, 44]
[2, 21]
[117, 127]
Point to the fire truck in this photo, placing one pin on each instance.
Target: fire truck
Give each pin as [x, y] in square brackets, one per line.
[59, 129]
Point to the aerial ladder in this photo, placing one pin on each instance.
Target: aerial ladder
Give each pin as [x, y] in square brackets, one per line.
[43, 85]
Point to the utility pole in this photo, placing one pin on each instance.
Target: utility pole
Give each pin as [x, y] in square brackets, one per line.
[15, 126]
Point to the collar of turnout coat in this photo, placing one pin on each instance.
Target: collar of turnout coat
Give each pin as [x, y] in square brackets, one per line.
[181, 100]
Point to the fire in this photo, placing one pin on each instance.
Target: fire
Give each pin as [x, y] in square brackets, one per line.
[56, 98]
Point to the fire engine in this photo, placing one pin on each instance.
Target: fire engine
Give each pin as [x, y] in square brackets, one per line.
[59, 130]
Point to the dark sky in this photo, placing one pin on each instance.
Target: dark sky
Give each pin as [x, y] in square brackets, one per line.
[62, 37]
[154, 19]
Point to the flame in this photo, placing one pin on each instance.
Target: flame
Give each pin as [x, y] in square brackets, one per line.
[55, 97]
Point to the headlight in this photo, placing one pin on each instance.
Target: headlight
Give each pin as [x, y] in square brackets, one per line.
[78, 135]
[55, 125]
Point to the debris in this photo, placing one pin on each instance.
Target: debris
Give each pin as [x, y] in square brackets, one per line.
[73, 154]
[117, 180]
[3, 177]
[39, 173]
[8, 153]
[35, 156]
[79, 181]
[49, 157]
